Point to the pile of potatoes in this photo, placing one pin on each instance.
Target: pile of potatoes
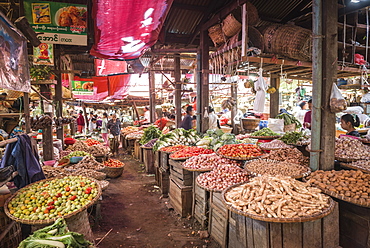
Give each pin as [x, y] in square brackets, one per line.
[347, 183]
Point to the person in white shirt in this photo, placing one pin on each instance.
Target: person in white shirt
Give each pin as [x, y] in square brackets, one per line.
[212, 119]
[104, 128]
[92, 125]
[146, 119]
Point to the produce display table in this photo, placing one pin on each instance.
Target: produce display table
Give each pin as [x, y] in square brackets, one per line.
[141, 155]
[219, 220]
[164, 173]
[250, 233]
[136, 153]
[148, 160]
[157, 156]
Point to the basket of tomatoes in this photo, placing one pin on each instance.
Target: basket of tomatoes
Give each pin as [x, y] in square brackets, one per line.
[240, 151]
[113, 168]
[189, 152]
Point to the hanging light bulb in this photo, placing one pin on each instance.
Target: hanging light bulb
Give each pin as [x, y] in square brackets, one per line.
[355, 1]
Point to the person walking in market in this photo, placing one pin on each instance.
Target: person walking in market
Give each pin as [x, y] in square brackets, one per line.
[187, 122]
[213, 119]
[80, 122]
[104, 128]
[114, 127]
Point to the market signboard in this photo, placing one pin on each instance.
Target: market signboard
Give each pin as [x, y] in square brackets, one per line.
[43, 54]
[61, 23]
[84, 88]
[14, 68]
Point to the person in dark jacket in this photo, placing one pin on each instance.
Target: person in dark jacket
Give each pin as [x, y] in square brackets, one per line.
[187, 122]
[348, 122]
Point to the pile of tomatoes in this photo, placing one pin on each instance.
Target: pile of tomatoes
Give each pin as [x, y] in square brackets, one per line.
[92, 142]
[240, 151]
[190, 152]
[113, 163]
[173, 148]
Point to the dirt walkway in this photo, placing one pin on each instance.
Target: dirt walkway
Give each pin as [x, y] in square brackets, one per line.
[132, 208]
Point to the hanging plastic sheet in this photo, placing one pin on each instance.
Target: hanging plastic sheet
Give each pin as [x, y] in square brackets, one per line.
[100, 85]
[14, 70]
[119, 86]
[125, 29]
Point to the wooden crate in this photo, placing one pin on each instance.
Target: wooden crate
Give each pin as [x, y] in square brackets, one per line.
[136, 149]
[201, 205]
[130, 146]
[180, 198]
[149, 161]
[354, 225]
[164, 160]
[218, 220]
[164, 181]
[250, 233]
[141, 155]
[180, 175]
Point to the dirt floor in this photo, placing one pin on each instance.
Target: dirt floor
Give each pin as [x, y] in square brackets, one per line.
[138, 217]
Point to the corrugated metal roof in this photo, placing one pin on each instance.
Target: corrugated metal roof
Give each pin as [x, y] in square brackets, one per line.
[275, 9]
[183, 21]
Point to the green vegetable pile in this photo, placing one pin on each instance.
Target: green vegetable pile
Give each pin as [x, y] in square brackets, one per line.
[264, 132]
[289, 119]
[291, 137]
[214, 139]
[77, 154]
[56, 235]
[150, 133]
[178, 136]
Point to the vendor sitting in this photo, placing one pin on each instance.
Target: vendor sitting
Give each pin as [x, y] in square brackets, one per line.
[348, 122]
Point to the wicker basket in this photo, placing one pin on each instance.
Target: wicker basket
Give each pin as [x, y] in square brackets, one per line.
[216, 35]
[14, 234]
[113, 172]
[231, 26]
[250, 124]
[289, 128]
[253, 18]
[288, 40]
[103, 184]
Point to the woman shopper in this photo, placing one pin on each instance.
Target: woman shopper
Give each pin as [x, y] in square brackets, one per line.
[187, 122]
[80, 122]
[114, 127]
[104, 128]
[213, 119]
[348, 122]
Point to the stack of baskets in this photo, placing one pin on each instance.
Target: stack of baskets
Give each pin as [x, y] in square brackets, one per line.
[113, 172]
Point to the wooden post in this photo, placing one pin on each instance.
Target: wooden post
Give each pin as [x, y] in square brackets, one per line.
[178, 91]
[27, 113]
[274, 98]
[199, 91]
[47, 133]
[245, 38]
[329, 76]
[204, 44]
[86, 118]
[234, 109]
[152, 96]
[58, 99]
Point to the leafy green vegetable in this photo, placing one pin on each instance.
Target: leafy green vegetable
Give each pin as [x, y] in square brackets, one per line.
[289, 119]
[56, 235]
[150, 133]
[264, 132]
[291, 137]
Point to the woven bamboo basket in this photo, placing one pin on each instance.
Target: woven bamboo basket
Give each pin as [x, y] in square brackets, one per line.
[346, 160]
[113, 172]
[289, 128]
[255, 38]
[353, 167]
[250, 124]
[239, 158]
[231, 26]
[324, 213]
[99, 175]
[103, 184]
[253, 18]
[14, 233]
[216, 35]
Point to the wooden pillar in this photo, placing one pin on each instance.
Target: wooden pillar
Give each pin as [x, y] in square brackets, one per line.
[47, 133]
[199, 90]
[245, 38]
[274, 98]
[234, 109]
[329, 76]
[152, 96]
[204, 44]
[178, 90]
[27, 112]
[58, 99]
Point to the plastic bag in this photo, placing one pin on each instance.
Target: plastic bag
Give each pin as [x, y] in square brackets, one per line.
[276, 125]
[337, 101]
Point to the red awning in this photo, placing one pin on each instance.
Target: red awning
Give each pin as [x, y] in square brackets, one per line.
[124, 29]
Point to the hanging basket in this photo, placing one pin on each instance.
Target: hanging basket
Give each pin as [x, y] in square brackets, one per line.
[231, 26]
[216, 35]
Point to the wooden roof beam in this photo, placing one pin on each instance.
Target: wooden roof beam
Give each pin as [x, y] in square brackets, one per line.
[189, 7]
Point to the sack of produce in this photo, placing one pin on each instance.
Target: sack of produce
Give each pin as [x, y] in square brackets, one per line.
[276, 125]
[337, 101]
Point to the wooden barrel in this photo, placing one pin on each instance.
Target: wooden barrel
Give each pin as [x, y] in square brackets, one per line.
[13, 231]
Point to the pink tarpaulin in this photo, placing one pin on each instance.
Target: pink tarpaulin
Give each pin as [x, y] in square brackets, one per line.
[124, 29]
[100, 88]
[119, 86]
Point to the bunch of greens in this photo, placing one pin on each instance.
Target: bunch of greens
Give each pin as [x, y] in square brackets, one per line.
[150, 133]
[214, 139]
[178, 136]
[77, 154]
[289, 119]
[291, 137]
[264, 132]
[56, 235]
